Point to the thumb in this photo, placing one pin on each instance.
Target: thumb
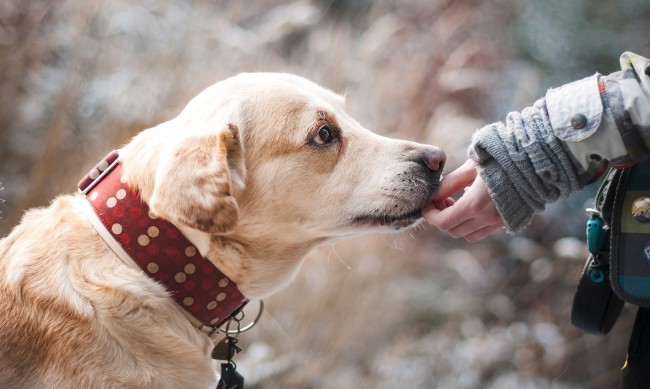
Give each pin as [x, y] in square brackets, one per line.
[456, 180]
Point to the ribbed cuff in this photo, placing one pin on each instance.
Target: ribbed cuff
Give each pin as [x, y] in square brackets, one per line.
[515, 213]
[523, 165]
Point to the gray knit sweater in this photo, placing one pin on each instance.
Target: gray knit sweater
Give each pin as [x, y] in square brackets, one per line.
[523, 165]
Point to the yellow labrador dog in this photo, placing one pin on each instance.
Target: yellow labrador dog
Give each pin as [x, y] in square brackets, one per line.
[121, 286]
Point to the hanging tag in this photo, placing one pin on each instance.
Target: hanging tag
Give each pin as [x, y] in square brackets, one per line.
[595, 231]
[230, 378]
[221, 350]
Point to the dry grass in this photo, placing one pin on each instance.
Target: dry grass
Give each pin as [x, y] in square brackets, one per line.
[416, 309]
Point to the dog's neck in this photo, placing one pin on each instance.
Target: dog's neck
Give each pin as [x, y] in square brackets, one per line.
[244, 256]
[261, 265]
[156, 246]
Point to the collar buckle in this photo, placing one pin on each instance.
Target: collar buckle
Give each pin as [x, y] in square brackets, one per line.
[96, 174]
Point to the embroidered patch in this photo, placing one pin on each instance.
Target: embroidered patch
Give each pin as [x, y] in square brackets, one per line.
[641, 209]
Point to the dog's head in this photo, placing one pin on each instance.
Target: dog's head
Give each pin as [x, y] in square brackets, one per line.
[273, 164]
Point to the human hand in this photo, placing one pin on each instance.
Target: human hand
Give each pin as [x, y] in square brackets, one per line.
[473, 216]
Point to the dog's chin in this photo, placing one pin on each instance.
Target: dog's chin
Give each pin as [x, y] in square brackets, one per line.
[394, 222]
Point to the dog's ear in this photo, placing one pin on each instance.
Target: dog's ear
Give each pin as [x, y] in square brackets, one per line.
[194, 184]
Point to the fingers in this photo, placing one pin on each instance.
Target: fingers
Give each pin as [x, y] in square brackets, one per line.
[482, 233]
[476, 229]
[473, 216]
[448, 202]
[467, 227]
[439, 205]
[456, 180]
[445, 219]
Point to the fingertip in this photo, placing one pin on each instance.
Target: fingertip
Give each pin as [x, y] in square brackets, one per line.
[429, 213]
[456, 180]
[440, 204]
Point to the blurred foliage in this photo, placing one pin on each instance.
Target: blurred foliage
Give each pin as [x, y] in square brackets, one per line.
[416, 309]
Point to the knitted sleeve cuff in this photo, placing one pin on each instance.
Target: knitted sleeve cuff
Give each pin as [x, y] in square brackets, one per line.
[515, 213]
[523, 165]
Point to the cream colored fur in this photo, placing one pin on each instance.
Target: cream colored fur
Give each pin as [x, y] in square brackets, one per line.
[241, 172]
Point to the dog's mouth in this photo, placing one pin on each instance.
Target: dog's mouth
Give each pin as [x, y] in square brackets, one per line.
[394, 221]
[403, 205]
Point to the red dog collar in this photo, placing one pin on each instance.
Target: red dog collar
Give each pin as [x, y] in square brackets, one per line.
[158, 247]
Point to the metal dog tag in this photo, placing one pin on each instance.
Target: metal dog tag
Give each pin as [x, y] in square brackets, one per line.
[221, 350]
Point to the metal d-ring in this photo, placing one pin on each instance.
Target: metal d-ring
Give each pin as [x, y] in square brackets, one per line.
[248, 326]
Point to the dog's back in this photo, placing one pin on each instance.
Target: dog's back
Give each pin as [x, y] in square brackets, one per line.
[71, 318]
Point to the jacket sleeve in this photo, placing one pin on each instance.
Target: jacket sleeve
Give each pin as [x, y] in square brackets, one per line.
[605, 117]
[565, 140]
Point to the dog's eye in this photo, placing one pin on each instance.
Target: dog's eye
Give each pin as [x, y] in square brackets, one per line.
[325, 136]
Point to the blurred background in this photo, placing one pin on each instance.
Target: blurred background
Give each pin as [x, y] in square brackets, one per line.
[415, 309]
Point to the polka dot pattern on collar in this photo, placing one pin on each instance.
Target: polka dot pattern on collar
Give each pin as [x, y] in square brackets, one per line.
[163, 253]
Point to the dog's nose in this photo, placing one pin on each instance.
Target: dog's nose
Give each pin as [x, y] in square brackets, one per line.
[434, 159]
